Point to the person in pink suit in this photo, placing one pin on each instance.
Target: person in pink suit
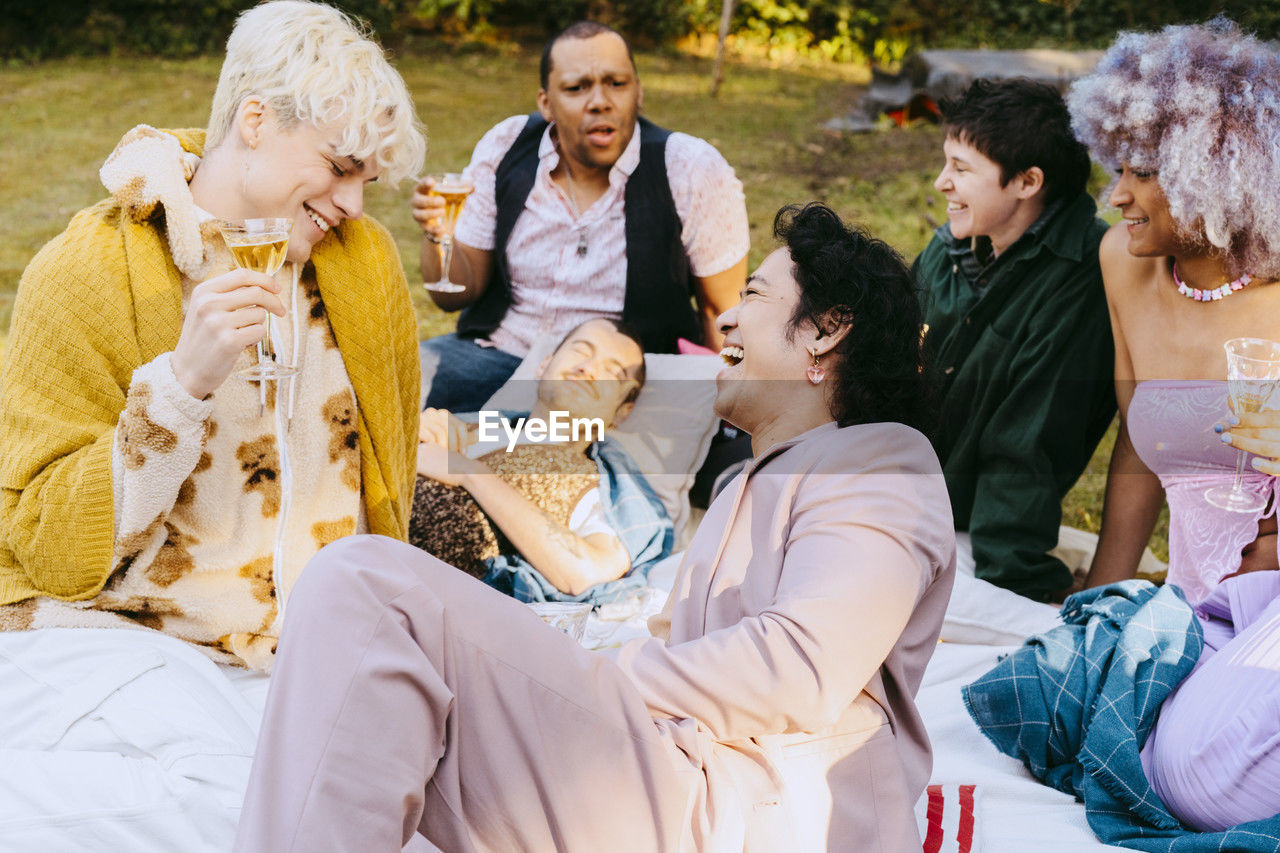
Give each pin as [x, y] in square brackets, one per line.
[773, 707]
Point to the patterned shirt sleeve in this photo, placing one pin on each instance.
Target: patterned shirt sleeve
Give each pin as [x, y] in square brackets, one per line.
[158, 444]
[710, 202]
[480, 215]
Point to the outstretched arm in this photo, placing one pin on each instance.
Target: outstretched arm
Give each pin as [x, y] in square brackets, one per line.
[572, 563]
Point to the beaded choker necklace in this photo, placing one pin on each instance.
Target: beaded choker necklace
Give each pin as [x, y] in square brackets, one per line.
[1209, 295]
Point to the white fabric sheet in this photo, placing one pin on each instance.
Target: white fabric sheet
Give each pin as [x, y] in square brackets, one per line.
[121, 740]
[118, 740]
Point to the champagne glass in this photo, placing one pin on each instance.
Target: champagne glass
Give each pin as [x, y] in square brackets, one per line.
[260, 245]
[1253, 366]
[454, 188]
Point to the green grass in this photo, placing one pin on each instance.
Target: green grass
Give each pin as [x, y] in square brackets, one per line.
[59, 120]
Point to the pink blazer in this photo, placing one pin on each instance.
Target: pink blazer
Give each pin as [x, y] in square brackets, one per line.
[801, 621]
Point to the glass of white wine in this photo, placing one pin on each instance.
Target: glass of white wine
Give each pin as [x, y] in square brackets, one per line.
[1253, 367]
[454, 188]
[260, 245]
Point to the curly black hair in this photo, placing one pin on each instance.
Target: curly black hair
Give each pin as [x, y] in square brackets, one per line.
[849, 278]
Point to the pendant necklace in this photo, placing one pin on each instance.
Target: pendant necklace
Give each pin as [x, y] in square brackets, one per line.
[577, 214]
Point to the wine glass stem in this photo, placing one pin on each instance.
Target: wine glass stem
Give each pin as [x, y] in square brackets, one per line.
[1237, 484]
[446, 256]
[266, 350]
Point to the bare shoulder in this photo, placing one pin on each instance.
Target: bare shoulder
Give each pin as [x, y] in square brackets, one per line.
[1124, 276]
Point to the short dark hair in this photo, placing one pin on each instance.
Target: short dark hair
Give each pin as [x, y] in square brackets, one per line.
[624, 329]
[578, 30]
[847, 277]
[1018, 123]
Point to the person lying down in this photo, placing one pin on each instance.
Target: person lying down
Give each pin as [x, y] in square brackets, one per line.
[535, 516]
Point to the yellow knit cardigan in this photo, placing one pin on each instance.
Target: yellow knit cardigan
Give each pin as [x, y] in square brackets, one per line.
[104, 298]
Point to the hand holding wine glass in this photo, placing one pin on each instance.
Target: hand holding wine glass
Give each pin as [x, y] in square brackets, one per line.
[428, 209]
[437, 203]
[1253, 369]
[261, 245]
[225, 315]
[1257, 433]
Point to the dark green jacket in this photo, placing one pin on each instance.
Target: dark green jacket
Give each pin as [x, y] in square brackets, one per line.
[1026, 366]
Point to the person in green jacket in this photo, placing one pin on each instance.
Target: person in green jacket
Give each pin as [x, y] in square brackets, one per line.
[1016, 327]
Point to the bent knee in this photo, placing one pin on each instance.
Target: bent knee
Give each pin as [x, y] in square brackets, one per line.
[362, 568]
[1216, 763]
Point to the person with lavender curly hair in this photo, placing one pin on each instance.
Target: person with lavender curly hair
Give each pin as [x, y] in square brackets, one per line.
[1189, 118]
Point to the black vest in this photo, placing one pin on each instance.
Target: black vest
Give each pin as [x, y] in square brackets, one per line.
[658, 278]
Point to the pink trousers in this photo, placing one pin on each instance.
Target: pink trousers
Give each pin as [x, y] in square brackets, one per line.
[408, 697]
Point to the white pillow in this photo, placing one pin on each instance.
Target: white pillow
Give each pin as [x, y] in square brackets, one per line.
[668, 432]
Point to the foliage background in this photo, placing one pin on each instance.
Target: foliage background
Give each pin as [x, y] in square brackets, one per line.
[820, 29]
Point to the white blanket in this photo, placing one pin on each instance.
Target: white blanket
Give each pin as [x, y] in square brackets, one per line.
[118, 740]
[115, 740]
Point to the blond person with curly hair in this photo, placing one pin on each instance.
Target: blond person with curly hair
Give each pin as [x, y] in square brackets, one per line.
[157, 509]
[1189, 118]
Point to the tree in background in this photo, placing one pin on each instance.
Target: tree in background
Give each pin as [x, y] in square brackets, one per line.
[834, 30]
[38, 29]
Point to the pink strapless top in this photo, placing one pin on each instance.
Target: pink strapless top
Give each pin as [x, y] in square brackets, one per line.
[1171, 426]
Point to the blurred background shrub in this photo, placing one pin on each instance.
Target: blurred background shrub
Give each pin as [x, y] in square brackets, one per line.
[880, 31]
